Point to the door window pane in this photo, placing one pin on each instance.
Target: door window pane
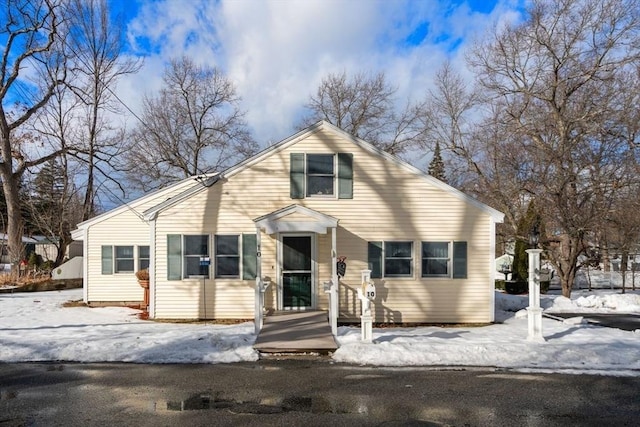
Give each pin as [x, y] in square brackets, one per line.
[296, 289]
[296, 253]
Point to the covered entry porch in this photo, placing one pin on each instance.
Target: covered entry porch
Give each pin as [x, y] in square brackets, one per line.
[298, 283]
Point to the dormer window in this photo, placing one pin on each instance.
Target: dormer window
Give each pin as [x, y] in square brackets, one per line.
[321, 175]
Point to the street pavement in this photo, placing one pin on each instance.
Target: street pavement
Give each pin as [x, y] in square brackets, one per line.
[311, 391]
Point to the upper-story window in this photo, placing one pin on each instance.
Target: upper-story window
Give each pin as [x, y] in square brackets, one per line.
[321, 175]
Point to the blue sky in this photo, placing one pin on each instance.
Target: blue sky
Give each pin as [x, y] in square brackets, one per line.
[276, 52]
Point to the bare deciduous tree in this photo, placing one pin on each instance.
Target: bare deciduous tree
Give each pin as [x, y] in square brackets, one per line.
[30, 32]
[553, 78]
[193, 126]
[95, 43]
[363, 106]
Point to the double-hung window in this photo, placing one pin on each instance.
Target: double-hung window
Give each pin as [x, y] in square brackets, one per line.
[184, 254]
[227, 263]
[195, 248]
[444, 259]
[143, 257]
[117, 259]
[391, 259]
[124, 259]
[321, 175]
[231, 258]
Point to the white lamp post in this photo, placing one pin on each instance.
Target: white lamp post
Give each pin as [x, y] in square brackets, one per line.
[534, 312]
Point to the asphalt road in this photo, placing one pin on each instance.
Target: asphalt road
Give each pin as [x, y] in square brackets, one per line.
[309, 392]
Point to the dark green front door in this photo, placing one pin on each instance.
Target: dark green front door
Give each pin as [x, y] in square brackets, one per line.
[296, 272]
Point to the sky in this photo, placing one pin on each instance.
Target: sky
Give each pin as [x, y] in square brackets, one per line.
[35, 327]
[277, 52]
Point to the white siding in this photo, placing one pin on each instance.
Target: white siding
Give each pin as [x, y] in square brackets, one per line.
[123, 226]
[390, 203]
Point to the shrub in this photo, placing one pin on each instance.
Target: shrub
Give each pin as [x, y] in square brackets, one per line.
[35, 260]
[516, 287]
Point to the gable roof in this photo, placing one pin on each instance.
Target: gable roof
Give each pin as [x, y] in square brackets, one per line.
[187, 182]
[313, 220]
[322, 125]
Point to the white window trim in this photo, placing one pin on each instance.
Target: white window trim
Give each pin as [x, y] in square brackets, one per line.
[138, 258]
[334, 176]
[215, 256]
[184, 257]
[314, 268]
[412, 275]
[449, 274]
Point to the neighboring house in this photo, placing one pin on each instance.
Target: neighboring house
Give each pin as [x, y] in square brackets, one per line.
[283, 217]
[38, 244]
[48, 250]
[5, 262]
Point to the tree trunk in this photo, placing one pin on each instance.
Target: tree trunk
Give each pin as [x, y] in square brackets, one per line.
[623, 269]
[567, 277]
[606, 262]
[15, 223]
[89, 206]
[565, 258]
[65, 240]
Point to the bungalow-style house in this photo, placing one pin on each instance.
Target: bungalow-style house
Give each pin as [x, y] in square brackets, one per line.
[267, 234]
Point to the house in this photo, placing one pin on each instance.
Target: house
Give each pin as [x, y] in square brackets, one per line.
[266, 235]
[48, 249]
[5, 261]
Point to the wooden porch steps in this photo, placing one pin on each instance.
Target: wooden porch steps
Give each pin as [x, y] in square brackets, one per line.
[298, 332]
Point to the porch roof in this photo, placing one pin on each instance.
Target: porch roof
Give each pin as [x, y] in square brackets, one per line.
[296, 218]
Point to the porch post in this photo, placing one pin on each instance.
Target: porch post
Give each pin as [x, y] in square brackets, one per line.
[259, 295]
[333, 294]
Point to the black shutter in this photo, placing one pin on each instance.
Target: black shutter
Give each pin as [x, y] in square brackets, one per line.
[174, 257]
[107, 259]
[375, 259]
[249, 256]
[345, 176]
[296, 174]
[459, 260]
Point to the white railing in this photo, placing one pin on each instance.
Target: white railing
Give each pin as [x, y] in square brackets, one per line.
[332, 289]
[261, 288]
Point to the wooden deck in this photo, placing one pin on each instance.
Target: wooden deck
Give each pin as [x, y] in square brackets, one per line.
[298, 332]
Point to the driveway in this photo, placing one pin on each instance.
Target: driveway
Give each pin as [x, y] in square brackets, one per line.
[626, 322]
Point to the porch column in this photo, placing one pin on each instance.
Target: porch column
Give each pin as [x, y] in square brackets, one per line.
[259, 294]
[333, 294]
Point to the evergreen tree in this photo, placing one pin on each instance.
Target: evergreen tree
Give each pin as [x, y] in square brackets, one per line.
[48, 188]
[525, 226]
[436, 167]
[55, 206]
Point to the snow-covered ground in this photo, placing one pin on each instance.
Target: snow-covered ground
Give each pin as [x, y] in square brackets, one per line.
[36, 327]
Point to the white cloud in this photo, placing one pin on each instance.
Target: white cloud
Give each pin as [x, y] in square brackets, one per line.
[276, 52]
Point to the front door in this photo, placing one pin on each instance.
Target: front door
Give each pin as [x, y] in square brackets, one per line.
[297, 273]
